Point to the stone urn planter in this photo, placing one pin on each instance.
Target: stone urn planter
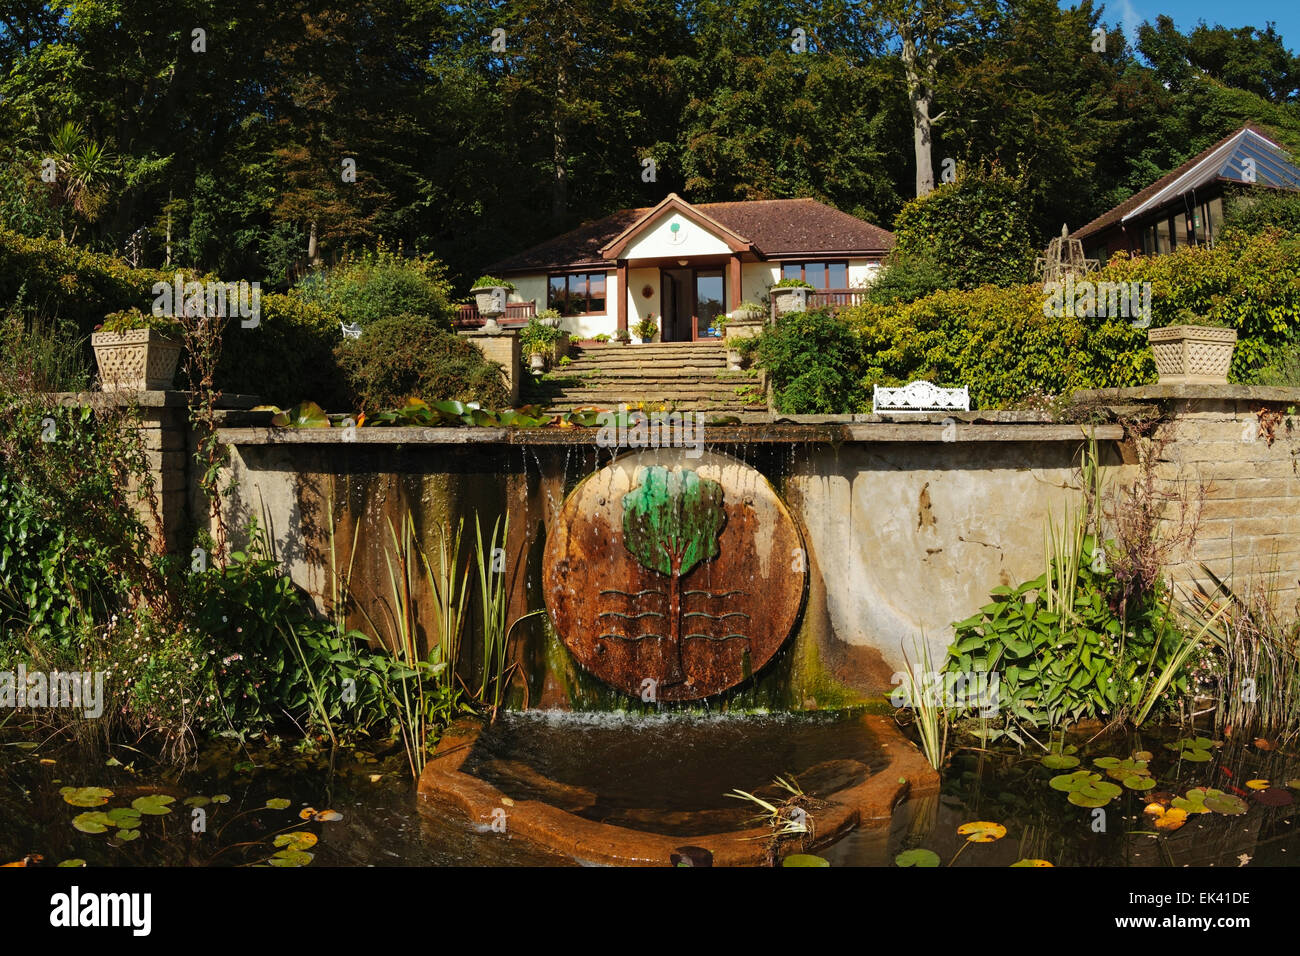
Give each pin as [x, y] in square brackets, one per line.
[490, 300]
[136, 360]
[735, 358]
[537, 362]
[1192, 354]
[790, 299]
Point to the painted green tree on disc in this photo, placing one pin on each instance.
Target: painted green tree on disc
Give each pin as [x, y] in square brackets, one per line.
[671, 523]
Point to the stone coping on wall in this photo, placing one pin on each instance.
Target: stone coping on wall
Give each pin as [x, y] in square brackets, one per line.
[1188, 392]
[775, 433]
[153, 399]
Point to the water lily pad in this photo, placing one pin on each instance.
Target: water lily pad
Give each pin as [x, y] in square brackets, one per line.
[982, 831]
[306, 813]
[1258, 784]
[1106, 762]
[329, 816]
[277, 803]
[125, 817]
[85, 796]
[1143, 755]
[291, 858]
[1067, 782]
[126, 836]
[1095, 794]
[1195, 749]
[1275, 797]
[221, 798]
[917, 857]
[1138, 782]
[92, 822]
[298, 840]
[1294, 784]
[1165, 819]
[1227, 804]
[154, 805]
[1060, 761]
[197, 801]
[75, 861]
[1031, 863]
[805, 859]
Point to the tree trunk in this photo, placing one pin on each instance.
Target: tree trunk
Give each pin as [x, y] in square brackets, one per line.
[311, 245]
[559, 168]
[919, 96]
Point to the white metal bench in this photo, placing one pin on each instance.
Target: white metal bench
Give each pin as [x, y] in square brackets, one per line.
[920, 397]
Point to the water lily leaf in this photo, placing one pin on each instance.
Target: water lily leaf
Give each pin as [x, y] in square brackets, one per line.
[917, 857]
[1263, 743]
[298, 840]
[1139, 782]
[1068, 782]
[85, 796]
[805, 859]
[126, 836]
[306, 813]
[154, 805]
[92, 822]
[196, 801]
[221, 798]
[1196, 756]
[1143, 755]
[290, 857]
[329, 816]
[302, 415]
[1165, 819]
[1031, 863]
[277, 803]
[1294, 784]
[1106, 762]
[1258, 784]
[1275, 797]
[1060, 761]
[124, 817]
[75, 861]
[982, 831]
[1227, 804]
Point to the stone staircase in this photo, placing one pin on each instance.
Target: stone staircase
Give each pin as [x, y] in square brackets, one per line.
[674, 376]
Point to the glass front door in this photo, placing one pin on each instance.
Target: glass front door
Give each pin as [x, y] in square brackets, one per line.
[710, 302]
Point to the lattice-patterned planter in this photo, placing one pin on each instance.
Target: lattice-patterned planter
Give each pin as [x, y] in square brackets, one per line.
[1192, 353]
[136, 360]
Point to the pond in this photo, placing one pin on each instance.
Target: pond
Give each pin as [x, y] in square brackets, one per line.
[279, 804]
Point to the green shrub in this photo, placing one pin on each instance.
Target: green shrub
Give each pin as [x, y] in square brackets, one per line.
[536, 337]
[366, 287]
[287, 357]
[814, 362]
[410, 356]
[975, 230]
[998, 341]
[906, 279]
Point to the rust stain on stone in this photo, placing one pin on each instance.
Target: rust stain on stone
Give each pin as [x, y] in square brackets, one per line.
[924, 513]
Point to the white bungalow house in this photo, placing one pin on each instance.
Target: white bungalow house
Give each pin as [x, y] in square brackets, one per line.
[684, 264]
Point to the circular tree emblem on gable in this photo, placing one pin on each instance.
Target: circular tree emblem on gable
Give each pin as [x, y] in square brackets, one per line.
[682, 575]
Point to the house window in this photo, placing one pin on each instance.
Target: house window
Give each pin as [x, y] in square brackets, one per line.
[820, 275]
[580, 293]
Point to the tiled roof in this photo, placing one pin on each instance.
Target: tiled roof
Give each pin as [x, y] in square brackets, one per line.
[776, 227]
[1114, 216]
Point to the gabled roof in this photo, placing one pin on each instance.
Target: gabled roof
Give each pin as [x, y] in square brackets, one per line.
[674, 203]
[772, 228]
[1222, 162]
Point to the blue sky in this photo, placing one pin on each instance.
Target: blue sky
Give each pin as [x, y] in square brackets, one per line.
[1185, 13]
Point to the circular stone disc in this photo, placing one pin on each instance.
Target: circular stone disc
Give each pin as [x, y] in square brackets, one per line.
[607, 574]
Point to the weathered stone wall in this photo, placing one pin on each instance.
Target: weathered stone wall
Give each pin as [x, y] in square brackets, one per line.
[1224, 460]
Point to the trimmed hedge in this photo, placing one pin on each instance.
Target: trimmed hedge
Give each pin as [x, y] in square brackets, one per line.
[287, 357]
[998, 342]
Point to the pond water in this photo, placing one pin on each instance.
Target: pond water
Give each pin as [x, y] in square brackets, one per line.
[657, 772]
